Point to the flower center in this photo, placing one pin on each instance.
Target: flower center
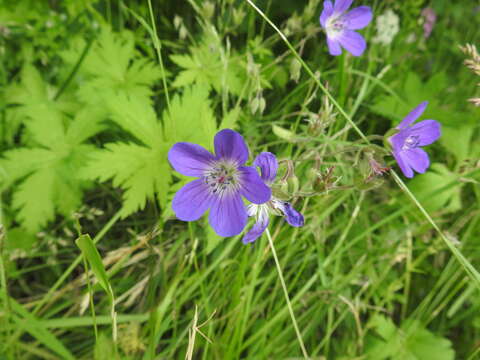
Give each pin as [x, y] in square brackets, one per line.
[222, 177]
[335, 26]
[411, 142]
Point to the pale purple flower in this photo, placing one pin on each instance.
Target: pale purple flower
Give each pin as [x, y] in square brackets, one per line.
[339, 24]
[408, 139]
[267, 162]
[222, 181]
[430, 17]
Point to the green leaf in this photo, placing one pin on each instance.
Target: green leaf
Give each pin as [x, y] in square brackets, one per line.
[33, 199]
[41, 115]
[414, 91]
[457, 139]
[412, 341]
[90, 252]
[18, 238]
[208, 64]
[113, 65]
[49, 180]
[136, 115]
[86, 123]
[139, 170]
[230, 119]
[18, 163]
[191, 118]
[425, 345]
[438, 189]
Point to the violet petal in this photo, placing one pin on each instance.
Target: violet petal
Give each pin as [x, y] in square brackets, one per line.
[334, 47]
[413, 115]
[417, 159]
[358, 18]
[353, 42]
[228, 216]
[427, 131]
[293, 217]
[252, 186]
[326, 12]
[189, 159]
[398, 140]
[230, 145]
[342, 5]
[268, 164]
[257, 229]
[192, 200]
[403, 164]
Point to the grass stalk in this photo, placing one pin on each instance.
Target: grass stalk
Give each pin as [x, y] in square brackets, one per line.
[287, 297]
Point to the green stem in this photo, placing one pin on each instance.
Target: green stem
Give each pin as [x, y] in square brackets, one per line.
[342, 79]
[90, 294]
[287, 297]
[3, 286]
[158, 46]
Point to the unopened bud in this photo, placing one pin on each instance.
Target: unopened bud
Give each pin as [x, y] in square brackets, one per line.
[293, 185]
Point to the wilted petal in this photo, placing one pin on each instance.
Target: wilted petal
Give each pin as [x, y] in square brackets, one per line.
[403, 164]
[334, 47]
[258, 228]
[252, 186]
[228, 216]
[189, 159]
[417, 159]
[427, 131]
[326, 12]
[342, 5]
[413, 115]
[230, 145]
[358, 18]
[353, 42]
[192, 200]
[268, 164]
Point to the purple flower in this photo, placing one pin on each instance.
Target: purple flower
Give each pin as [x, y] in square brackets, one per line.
[267, 162]
[339, 25]
[430, 18]
[408, 139]
[222, 181]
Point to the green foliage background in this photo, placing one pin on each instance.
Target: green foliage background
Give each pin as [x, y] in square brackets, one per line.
[95, 92]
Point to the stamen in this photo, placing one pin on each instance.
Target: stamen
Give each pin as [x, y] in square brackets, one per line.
[222, 177]
[335, 26]
[411, 142]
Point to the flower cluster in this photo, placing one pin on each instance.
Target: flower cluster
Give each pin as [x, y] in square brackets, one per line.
[223, 181]
[339, 25]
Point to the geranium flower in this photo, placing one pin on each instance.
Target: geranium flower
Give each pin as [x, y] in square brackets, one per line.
[268, 164]
[222, 181]
[408, 139]
[340, 25]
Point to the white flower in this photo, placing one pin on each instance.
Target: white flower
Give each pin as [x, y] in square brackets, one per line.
[388, 25]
